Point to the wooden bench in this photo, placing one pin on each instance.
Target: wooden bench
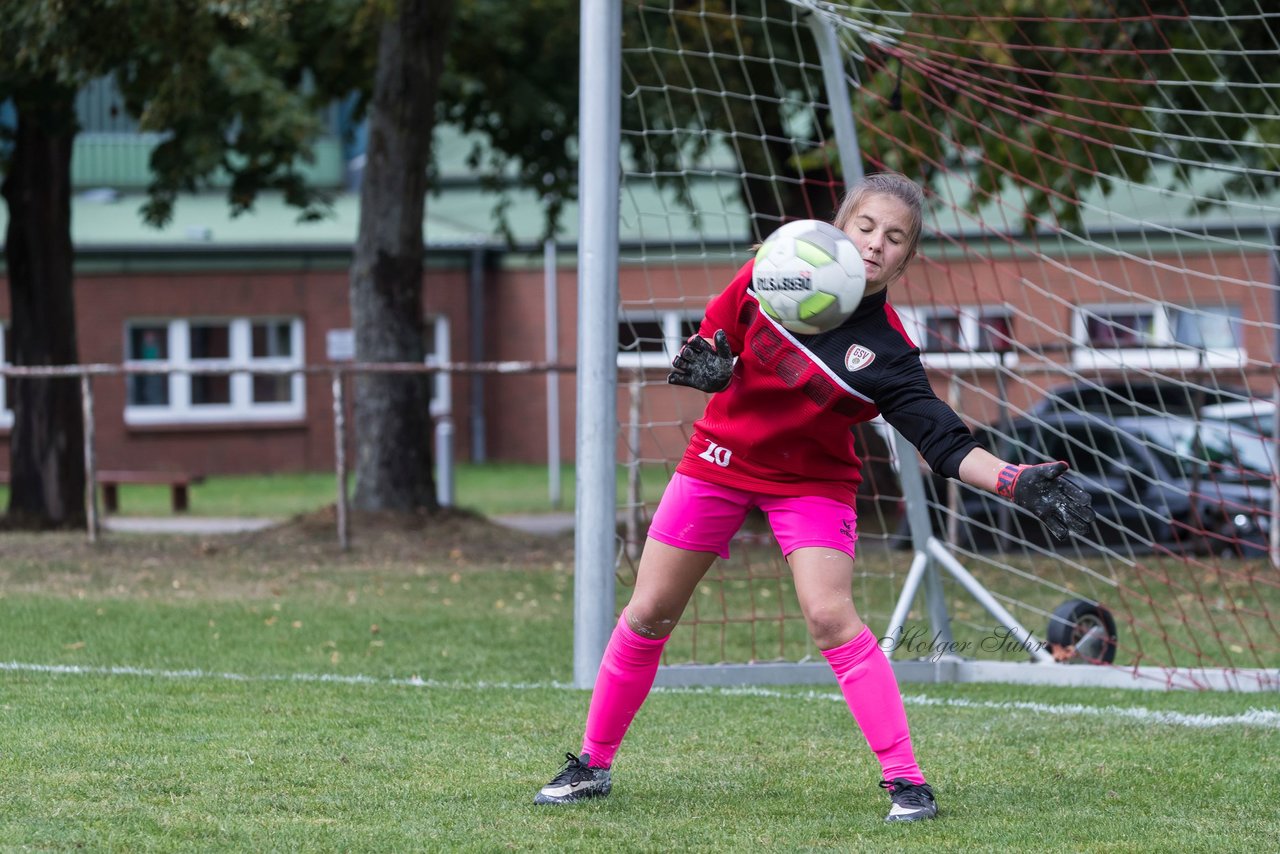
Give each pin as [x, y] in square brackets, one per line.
[179, 484]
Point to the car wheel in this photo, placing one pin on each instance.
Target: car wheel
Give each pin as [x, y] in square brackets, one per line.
[1239, 537]
[1082, 631]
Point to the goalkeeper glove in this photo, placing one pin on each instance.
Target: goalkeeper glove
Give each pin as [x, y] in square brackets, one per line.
[1053, 499]
[699, 366]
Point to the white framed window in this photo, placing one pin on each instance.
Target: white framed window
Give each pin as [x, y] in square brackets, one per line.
[651, 339]
[437, 347]
[1157, 335]
[6, 358]
[190, 396]
[964, 337]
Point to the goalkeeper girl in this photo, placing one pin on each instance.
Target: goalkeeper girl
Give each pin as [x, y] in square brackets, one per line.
[776, 435]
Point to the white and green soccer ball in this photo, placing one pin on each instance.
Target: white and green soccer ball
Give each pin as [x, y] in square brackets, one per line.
[808, 276]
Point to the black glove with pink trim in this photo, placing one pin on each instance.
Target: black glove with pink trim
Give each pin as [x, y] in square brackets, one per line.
[699, 366]
[1062, 505]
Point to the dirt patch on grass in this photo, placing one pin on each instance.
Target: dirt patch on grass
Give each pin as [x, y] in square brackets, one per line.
[446, 539]
[304, 550]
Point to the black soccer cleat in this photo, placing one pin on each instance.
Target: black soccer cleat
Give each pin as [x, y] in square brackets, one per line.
[576, 781]
[911, 801]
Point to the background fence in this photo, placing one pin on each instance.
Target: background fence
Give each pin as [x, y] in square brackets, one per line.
[338, 375]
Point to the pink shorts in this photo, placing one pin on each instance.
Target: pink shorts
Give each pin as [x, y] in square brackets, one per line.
[702, 517]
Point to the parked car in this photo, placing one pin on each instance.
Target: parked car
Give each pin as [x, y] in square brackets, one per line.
[1156, 483]
[1137, 397]
[1256, 415]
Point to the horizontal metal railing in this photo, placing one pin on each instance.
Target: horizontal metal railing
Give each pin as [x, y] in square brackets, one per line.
[336, 371]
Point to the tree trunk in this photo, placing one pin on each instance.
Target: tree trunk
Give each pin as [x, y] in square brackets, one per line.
[392, 423]
[47, 442]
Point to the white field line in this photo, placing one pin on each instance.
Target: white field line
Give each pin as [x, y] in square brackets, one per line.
[1265, 718]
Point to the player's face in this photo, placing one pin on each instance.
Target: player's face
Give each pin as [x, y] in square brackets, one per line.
[881, 228]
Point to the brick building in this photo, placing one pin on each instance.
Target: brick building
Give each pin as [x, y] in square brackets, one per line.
[263, 290]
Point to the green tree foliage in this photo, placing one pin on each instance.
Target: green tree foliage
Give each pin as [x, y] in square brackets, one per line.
[511, 80]
[1057, 95]
[234, 87]
[755, 51]
[1046, 98]
[242, 91]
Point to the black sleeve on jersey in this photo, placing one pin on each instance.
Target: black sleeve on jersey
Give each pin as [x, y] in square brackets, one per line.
[908, 403]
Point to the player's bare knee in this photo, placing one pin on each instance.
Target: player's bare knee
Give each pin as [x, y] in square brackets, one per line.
[831, 628]
[650, 624]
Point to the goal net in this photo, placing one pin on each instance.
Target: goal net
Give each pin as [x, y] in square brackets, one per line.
[1096, 283]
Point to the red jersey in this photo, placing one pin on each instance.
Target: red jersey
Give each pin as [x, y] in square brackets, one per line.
[783, 424]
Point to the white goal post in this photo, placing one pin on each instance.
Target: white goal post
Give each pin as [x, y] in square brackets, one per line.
[1098, 283]
[597, 420]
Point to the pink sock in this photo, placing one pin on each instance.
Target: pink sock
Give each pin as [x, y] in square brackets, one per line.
[626, 674]
[871, 690]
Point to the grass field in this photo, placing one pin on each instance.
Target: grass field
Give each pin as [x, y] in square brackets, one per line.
[265, 692]
[493, 488]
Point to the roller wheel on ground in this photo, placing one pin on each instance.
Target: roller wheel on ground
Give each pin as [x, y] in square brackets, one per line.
[1082, 632]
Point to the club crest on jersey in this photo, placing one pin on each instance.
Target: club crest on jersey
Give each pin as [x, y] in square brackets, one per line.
[858, 357]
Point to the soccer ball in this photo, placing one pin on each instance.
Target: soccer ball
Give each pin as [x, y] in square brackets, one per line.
[808, 276]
